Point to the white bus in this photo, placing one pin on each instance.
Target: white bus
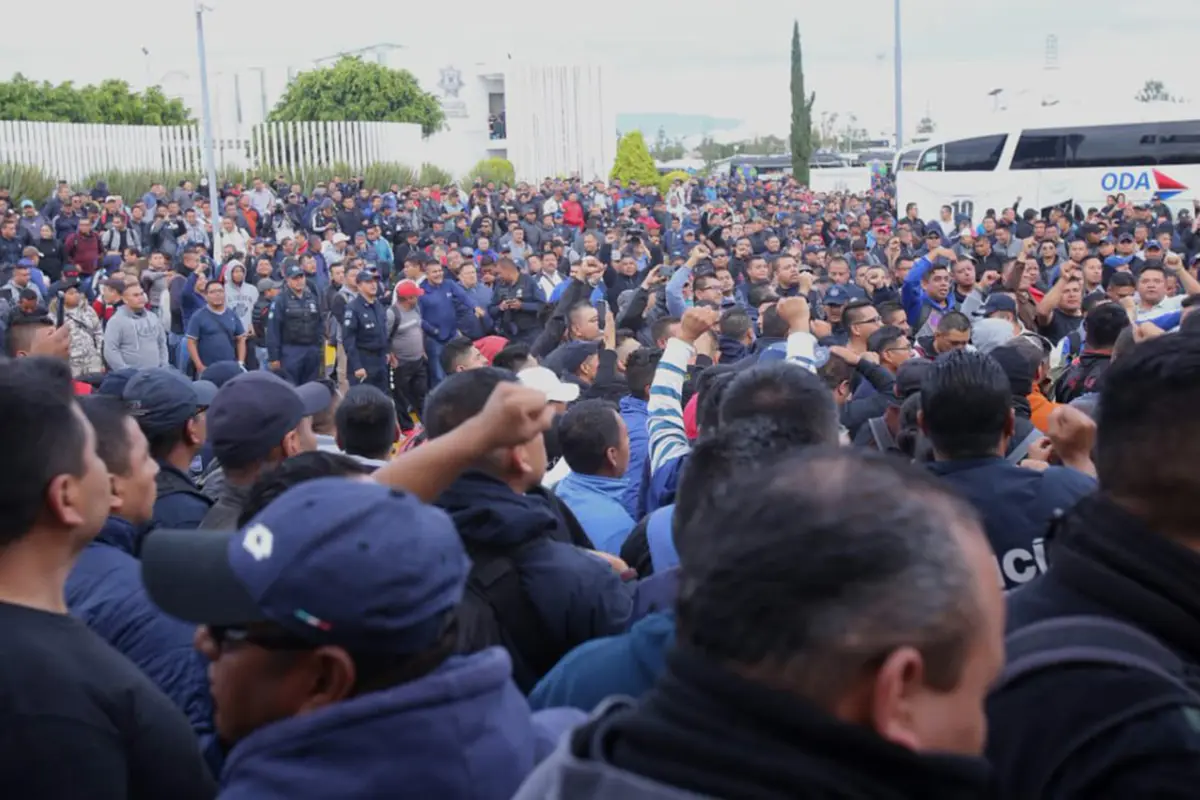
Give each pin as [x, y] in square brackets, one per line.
[1047, 166]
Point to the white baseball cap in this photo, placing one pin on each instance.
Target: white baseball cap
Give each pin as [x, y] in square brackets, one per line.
[341, 237]
[547, 382]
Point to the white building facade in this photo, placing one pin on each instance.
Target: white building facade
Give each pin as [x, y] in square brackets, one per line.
[559, 119]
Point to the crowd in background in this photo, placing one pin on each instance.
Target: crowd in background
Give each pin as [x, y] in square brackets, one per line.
[587, 489]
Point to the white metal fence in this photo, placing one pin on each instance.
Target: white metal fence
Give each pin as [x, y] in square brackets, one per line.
[71, 151]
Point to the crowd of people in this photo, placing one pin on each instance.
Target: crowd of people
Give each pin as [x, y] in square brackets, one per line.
[582, 490]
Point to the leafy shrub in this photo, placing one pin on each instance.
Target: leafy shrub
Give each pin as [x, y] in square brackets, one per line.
[497, 170]
[25, 181]
[433, 175]
[664, 183]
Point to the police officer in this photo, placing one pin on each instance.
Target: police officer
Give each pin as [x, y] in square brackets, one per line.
[295, 334]
[365, 333]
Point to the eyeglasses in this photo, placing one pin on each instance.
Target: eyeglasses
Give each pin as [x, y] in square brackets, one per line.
[872, 321]
[268, 640]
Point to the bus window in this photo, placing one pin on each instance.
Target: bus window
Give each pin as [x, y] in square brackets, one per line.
[907, 160]
[1179, 143]
[1112, 146]
[979, 154]
[1041, 149]
[931, 160]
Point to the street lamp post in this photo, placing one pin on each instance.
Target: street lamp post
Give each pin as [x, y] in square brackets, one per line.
[206, 110]
[898, 100]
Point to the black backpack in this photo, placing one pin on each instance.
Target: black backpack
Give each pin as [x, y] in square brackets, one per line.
[496, 610]
[1066, 642]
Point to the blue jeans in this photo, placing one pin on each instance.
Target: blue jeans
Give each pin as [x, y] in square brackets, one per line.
[263, 356]
[433, 352]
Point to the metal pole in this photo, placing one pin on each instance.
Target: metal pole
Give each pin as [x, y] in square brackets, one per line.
[899, 92]
[206, 110]
[262, 90]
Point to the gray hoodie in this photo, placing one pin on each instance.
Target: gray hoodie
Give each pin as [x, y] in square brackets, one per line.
[135, 340]
[241, 297]
[565, 776]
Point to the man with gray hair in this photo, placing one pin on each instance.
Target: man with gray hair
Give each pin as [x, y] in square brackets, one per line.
[840, 644]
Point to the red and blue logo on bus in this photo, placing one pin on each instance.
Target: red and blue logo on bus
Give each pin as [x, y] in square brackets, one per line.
[1146, 180]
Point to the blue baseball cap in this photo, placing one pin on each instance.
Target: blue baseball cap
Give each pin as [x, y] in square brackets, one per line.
[334, 561]
[220, 373]
[294, 271]
[368, 274]
[837, 295]
[252, 413]
[573, 354]
[999, 302]
[1117, 261]
[161, 399]
[114, 383]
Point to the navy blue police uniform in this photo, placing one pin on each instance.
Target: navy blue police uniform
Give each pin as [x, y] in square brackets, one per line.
[295, 333]
[365, 337]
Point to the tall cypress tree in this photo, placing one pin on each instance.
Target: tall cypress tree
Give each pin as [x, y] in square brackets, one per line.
[801, 136]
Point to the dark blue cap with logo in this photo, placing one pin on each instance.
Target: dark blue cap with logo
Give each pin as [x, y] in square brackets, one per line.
[333, 561]
[161, 399]
[837, 295]
[294, 271]
[368, 274]
[252, 413]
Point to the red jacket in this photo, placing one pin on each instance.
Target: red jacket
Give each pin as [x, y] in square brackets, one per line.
[102, 311]
[83, 251]
[573, 214]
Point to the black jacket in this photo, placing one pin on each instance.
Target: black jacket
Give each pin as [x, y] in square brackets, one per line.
[1084, 377]
[1104, 562]
[859, 410]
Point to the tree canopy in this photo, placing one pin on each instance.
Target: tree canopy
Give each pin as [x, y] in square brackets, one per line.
[111, 102]
[353, 90]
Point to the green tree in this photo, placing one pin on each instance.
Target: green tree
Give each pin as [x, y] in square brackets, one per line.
[353, 90]
[633, 162]
[111, 102]
[1155, 92]
[802, 103]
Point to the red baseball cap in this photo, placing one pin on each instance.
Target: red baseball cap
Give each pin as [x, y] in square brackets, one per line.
[408, 288]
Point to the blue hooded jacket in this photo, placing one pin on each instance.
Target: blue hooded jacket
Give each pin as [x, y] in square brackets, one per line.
[439, 309]
[596, 502]
[104, 591]
[635, 415]
[461, 731]
[914, 298]
[628, 664]
[578, 595]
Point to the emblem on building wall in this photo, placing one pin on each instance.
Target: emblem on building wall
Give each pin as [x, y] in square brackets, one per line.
[451, 82]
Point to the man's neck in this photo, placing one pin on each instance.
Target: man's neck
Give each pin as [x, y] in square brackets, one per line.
[181, 458]
[858, 346]
[34, 573]
[216, 309]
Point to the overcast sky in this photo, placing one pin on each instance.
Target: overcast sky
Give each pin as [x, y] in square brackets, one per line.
[700, 56]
